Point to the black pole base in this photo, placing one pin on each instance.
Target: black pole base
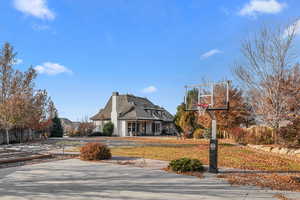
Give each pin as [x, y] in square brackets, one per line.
[213, 156]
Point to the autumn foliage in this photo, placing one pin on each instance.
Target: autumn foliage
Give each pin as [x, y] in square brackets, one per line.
[268, 93]
[253, 135]
[240, 113]
[95, 151]
[290, 135]
[22, 105]
[287, 182]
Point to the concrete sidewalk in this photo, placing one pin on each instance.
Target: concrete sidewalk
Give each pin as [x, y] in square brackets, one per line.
[75, 179]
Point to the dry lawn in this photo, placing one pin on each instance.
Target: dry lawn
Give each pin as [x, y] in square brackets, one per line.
[271, 167]
[230, 155]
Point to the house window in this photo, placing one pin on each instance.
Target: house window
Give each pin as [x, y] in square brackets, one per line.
[156, 127]
[133, 127]
[129, 127]
[153, 127]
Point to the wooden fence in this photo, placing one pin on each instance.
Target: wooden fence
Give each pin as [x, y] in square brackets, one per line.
[18, 136]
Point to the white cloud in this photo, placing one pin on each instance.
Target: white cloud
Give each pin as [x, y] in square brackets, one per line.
[17, 61]
[36, 8]
[210, 53]
[149, 89]
[294, 27]
[262, 6]
[52, 69]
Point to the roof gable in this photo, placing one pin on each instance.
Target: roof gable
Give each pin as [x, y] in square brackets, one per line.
[134, 108]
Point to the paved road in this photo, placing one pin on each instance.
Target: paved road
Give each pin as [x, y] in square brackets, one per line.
[78, 180]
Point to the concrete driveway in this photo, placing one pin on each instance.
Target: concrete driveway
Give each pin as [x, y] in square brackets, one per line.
[75, 179]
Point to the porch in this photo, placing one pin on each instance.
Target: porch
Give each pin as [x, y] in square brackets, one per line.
[141, 128]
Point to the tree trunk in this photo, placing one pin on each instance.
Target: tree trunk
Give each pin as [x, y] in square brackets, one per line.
[7, 136]
[21, 133]
[30, 134]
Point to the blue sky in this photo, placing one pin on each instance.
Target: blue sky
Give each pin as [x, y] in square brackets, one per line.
[85, 49]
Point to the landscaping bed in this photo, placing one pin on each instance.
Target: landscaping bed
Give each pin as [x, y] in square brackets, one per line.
[277, 149]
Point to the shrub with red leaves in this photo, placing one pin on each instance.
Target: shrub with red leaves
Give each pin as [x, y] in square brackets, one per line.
[95, 151]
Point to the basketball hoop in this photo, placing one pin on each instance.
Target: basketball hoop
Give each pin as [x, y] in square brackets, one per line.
[210, 97]
[202, 108]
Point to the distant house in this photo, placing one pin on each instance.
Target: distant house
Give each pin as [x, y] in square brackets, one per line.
[68, 125]
[134, 116]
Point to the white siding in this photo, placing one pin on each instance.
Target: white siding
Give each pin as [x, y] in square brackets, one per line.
[124, 129]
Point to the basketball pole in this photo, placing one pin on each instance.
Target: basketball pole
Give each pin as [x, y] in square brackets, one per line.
[213, 145]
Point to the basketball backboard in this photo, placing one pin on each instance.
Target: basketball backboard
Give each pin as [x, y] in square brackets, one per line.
[210, 96]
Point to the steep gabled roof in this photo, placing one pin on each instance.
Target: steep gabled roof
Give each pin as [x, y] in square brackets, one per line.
[104, 114]
[131, 107]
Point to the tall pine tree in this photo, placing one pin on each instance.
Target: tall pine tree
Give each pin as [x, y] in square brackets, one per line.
[57, 129]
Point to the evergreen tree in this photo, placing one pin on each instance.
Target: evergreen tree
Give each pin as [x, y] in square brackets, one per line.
[57, 129]
[108, 129]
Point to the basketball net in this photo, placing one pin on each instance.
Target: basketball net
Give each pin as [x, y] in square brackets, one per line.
[202, 108]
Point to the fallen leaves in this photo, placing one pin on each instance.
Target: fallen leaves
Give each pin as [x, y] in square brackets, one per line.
[274, 181]
[229, 156]
[282, 197]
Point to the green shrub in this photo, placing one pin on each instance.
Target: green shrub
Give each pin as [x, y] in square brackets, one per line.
[198, 133]
[186, 165]
[95, 151]
[57, 129]
[108, 129]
